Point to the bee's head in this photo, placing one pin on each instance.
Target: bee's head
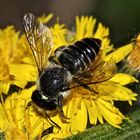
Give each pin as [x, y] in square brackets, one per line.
[43, 102]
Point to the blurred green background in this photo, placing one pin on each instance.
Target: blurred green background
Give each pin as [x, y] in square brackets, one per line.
[121, 16]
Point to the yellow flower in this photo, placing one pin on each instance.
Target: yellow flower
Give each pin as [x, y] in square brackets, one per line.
[82, 104]
[96, 107]
[12, 51]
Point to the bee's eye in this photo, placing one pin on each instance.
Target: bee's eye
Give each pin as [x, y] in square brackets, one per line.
[45, 103]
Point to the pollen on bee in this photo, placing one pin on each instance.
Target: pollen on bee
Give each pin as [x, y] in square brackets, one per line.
[134, 57]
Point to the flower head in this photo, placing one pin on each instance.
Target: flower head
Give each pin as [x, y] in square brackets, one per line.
[98, 105]
[95, 103]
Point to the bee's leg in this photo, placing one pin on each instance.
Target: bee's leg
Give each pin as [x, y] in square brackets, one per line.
[60, 105]
[29, 104]
[47, 131]
[89, 88]
[50, 129]
[54, 124]
[53, 60]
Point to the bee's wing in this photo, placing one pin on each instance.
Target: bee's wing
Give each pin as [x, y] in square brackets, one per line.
[40, 39]
[99, 71]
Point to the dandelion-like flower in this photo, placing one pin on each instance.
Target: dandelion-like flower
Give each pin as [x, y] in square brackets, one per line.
[81, 104]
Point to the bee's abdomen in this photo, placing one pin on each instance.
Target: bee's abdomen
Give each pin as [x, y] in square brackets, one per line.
[80, 55]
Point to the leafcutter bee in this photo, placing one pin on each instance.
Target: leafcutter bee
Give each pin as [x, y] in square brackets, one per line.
[78, 64]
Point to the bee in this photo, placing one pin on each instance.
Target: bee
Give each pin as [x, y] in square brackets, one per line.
[78, 64]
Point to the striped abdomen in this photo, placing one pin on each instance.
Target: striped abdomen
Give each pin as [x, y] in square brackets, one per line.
[78, 56]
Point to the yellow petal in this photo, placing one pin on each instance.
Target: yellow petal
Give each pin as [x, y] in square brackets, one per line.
[108, 113]
[81, 116]
[101, 31]
[59, 33]
[44, 19]
[113, 91]
[23, 73]
[120, 53]
[4, 122]
[97, 111]
[4, 87]
[84, 27]
[91, 112]
[123, 78]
